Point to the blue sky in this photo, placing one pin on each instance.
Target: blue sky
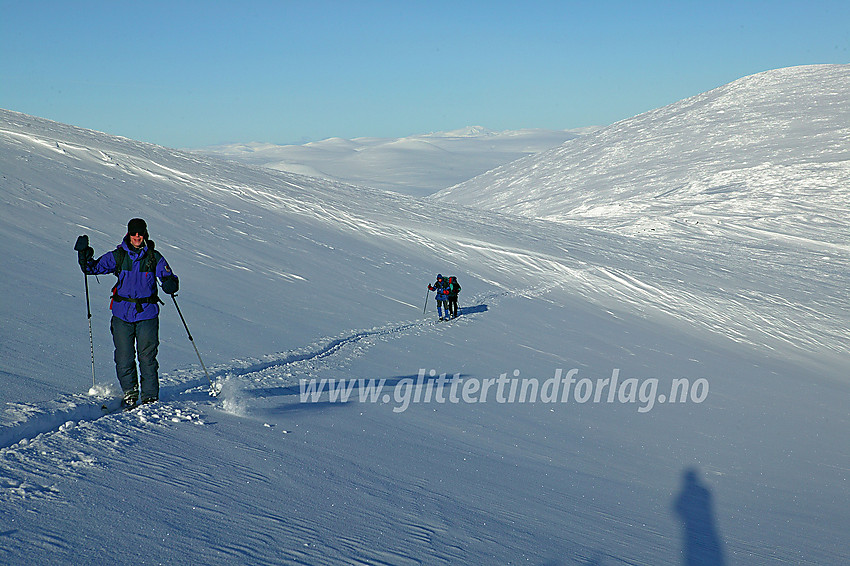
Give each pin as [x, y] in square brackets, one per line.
[190, 74]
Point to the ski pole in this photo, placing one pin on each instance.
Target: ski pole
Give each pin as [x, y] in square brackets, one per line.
[212, 388]
[82, 245]
[426, 301]
[91, 338]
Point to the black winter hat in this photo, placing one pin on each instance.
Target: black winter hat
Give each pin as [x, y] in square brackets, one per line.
[137, 226]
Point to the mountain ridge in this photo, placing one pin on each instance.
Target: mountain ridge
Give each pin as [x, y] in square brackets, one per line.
[682, 161]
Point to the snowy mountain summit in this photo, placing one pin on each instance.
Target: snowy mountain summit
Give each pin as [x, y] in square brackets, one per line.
[769, 150]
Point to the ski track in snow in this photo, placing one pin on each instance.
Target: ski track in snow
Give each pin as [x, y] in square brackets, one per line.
[40, 442]
[26, 428]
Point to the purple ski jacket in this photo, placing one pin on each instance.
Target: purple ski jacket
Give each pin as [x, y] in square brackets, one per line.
[133, 283]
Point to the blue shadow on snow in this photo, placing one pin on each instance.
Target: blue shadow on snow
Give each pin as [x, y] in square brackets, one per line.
[472, 310]
[701, 543]
[295, 390]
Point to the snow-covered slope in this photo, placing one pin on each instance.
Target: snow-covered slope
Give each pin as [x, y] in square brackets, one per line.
[287, 278]
[768, 152]
[305, 254]
[416, 165]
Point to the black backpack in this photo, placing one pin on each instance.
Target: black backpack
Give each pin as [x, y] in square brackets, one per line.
[124, 263]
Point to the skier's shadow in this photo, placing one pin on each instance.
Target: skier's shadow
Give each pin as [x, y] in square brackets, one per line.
[473, 310]
[388, 387]
[701, 543]
[292, 390]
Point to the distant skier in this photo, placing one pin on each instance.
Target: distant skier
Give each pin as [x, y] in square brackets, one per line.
[454, 289]
[441, 289]
[135, 308]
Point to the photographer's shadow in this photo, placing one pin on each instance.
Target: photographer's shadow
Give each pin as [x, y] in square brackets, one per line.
[701, 544]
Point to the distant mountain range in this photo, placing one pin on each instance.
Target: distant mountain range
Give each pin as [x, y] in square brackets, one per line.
[417, 165]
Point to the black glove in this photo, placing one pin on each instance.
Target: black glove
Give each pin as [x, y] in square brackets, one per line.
[85, 253]
[85, 258]
[82, 243]
[170, 284]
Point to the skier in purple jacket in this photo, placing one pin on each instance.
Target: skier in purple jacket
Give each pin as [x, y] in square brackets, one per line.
[135, 308]
[441, 286]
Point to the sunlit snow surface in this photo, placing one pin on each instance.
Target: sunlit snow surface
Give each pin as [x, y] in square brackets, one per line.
[416, 165]
[705, 240]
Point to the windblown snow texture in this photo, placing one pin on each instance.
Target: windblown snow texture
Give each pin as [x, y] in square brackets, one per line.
[701, 241]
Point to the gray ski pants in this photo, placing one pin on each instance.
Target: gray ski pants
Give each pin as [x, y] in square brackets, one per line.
[126, 336]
